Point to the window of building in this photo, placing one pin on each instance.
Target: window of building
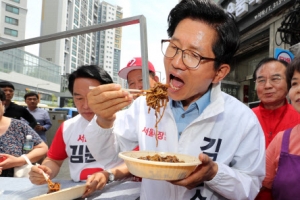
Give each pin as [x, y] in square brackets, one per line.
[12, 9]
[17, 1]
[77, 2]
[11, 32]
[11, 20]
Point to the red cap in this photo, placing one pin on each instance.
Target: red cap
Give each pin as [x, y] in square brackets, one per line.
[135, 63]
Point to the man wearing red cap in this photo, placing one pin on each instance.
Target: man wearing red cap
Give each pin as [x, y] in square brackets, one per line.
[133, 74]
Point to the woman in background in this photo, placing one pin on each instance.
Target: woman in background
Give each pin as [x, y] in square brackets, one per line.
[283, 153]
[12, 138]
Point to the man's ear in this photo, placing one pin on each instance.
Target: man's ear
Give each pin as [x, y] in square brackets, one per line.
[222, 72]
[156, 79]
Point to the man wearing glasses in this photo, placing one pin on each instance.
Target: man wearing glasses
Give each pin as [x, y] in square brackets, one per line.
[199, 120]
[274, 112]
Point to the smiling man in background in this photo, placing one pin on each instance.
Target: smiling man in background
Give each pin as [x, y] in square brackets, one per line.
[274, 112]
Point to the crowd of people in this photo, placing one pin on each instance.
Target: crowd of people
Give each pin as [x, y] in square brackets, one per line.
[244, 153]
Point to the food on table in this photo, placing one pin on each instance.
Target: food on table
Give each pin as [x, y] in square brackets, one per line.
[52, 187]
[156, 98]
[156, 157]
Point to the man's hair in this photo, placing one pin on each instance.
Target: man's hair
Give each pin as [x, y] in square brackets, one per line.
[89, 71]
[265, 61]
[30, 94]
[227, 41]
[2, 96]
[292, 67]
[4, 84]
[152, 74]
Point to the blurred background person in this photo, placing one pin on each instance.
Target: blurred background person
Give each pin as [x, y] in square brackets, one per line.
[283, 154]
[274, 112]
[41, 116]
[133, 74]
[12, 139]
[13, 110]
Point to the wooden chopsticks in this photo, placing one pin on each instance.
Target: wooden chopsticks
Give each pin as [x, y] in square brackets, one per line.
[125, 89]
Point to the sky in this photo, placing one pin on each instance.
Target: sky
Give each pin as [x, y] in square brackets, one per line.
[155, 11]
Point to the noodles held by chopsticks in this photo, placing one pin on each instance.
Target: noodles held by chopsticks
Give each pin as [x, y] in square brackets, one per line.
[52, 187]
[156, 98]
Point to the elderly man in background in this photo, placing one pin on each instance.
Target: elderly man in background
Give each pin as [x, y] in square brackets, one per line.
[13, 110]
[42, 116]
[274, 112]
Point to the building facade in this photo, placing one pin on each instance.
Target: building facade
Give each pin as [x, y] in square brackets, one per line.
[108, 43]
[12, 20]
[28, 72]
[101, 48]
[25, 71]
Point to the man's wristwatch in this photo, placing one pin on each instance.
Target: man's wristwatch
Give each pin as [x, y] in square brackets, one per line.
[111, 176]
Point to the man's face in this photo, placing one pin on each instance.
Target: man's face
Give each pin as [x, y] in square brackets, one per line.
[294, 92]
[9, 93]
[135, 79]
[80, 91]
[32, 102]
[188, 85]
[271, 86]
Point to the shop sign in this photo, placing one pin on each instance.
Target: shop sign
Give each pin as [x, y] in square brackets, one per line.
[283, 54]
[240, 8]
[268, 9]
[230, 89]
[251, 12]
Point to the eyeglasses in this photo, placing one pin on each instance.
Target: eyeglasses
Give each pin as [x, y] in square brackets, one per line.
[190, 58]
[273, 80]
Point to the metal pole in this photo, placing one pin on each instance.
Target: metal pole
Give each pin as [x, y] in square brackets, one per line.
[159, 75]
[74, 32]
[144, 52]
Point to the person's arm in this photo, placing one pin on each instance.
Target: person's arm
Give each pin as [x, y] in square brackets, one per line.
[28, 117]
[52, 163]
[98, 180]
[38, 152]
[272, 157]
[49, 166]
[106, 100]
[48, 122]
[39, 149]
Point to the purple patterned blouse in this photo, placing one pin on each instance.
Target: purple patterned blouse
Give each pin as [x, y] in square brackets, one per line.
[12, 141]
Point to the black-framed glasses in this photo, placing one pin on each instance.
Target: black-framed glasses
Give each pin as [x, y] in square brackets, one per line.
[190, 58]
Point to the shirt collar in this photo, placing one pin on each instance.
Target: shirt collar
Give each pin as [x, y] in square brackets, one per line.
[200, 104]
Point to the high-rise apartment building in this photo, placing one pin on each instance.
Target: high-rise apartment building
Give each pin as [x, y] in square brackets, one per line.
[108, 43]
[12, 20]
[102, 48]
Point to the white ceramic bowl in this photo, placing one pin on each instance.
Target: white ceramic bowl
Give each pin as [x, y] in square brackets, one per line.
[159, 170]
